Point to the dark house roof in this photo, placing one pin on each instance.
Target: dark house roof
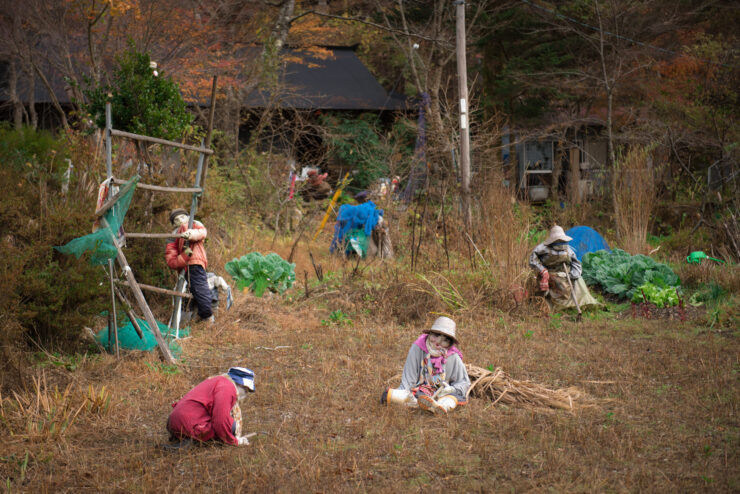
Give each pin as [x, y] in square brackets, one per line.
[338, 81]
[332, 78]
[40, 93]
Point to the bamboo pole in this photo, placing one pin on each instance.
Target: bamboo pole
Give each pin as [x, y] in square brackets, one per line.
[129, 313]
[179, 291]
[209, 133]
[152, 235]
[160, 188]
[156, 289]
[114, 315]
[200, 177]
[331, 205]
[111, 201]
[156, 140]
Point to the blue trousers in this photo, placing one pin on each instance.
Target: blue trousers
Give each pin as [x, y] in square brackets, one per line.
[199, 288]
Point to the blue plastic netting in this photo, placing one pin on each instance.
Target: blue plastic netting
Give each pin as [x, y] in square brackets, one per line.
[585, 240]
[363, 217]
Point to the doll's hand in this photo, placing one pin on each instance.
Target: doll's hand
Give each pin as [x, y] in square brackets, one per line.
[445, 390]
[544, 280]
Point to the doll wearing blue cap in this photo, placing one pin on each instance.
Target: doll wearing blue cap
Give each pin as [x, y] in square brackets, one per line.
[211, 410]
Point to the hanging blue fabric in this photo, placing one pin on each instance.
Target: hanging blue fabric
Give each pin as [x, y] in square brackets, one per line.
[585, 240]
[362, 217]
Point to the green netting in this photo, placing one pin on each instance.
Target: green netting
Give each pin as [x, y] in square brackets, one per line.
[100, 243]
[129, 339]
[357, 241]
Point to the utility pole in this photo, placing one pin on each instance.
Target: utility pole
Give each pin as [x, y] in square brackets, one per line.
[462, 75]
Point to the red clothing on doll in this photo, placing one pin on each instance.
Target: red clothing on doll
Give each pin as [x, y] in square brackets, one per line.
[205, 411]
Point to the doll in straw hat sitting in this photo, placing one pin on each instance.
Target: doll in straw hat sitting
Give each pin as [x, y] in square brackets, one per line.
[554, 261]
[434, 376]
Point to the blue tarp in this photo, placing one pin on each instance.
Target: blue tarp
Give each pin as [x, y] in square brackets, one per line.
[363, 217]
[585, 240]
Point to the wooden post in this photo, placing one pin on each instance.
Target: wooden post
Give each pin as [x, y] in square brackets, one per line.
[112, 201]
[127, 309]
[109, 204]
[180, 286]
[151, 235]
[194, 200]
[156, 289]
[464, 124]
[157, 140]
[108, 130]
[209, 133]
[114, 319]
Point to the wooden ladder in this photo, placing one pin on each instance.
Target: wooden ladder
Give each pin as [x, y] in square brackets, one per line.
[130, 282]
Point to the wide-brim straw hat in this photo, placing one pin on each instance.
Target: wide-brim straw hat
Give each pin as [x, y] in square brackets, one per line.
[557, 235]
[444, 325]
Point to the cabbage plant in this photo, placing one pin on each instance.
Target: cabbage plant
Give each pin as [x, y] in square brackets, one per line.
[258, 272]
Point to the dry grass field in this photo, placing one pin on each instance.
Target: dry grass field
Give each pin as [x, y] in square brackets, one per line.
[660, 412]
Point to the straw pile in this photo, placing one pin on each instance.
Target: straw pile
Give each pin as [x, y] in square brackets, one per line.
[500, 388]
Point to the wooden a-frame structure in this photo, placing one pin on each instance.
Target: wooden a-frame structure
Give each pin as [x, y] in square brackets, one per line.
[130, 281]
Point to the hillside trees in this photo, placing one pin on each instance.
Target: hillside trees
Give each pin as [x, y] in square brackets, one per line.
[698, 104]
[425, 34]
[76, 38]
[607, 62]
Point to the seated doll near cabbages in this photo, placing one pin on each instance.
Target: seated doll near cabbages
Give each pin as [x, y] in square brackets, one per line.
[434, 377]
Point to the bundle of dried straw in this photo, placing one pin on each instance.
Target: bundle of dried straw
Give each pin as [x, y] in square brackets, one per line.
[500, 388]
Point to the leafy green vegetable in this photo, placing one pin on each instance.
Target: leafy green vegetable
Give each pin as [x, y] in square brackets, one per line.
[259, 272]
[662, 297]
[623, 274]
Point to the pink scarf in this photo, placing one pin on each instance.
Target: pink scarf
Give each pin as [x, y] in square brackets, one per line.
[438, 362]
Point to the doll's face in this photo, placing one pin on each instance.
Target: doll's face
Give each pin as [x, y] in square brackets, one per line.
[181, 219]
[439, 341]
[241, 393]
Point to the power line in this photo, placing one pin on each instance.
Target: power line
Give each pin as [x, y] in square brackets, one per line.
[619, 36]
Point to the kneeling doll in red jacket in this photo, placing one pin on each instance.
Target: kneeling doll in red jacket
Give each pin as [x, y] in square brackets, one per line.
[211, 410]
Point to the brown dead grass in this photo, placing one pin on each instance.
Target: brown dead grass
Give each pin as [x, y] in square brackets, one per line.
[666, 418]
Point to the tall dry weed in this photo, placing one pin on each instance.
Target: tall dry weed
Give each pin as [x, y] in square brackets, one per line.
[634, 198]
[42, 415]
[46, 413]
[503, 228]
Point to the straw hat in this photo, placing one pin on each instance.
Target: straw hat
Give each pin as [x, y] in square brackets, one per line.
[444, 325]
[557, 235]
